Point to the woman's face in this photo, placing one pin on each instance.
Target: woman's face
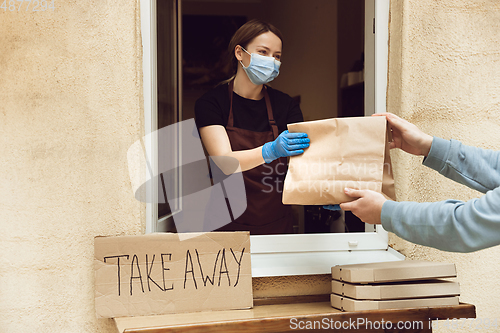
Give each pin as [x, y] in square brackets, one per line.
[266, 44]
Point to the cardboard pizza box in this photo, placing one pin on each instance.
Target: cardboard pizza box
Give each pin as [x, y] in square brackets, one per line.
[393, 271]
[348, 304]
[413, 289]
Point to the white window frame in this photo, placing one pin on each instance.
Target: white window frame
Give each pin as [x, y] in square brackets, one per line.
[150, 92]
[280, 255]
[148, 34]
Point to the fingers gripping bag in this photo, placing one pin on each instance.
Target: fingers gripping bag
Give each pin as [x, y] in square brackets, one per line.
[343, 152]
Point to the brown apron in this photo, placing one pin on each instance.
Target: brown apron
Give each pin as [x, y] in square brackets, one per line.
[265, 213]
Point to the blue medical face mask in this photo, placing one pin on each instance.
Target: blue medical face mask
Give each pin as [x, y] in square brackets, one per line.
[261, 69]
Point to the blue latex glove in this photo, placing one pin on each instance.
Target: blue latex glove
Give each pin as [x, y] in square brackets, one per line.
[286, 144]
[332, 207]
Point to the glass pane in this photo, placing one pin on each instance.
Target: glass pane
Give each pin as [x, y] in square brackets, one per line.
[167, 78]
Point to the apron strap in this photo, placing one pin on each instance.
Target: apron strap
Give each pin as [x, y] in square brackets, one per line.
[270, 116]
[230, 120]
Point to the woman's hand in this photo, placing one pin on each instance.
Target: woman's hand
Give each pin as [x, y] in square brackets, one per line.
[286, 144]
[407, 136]
[368, 207]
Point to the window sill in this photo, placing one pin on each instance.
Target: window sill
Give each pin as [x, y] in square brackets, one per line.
[280, 317]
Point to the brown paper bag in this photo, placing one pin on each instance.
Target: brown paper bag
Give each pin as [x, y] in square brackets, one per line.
[344, 152]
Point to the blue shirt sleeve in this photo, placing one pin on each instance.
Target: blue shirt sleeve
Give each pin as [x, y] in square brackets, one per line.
[453, 225]
[471, 166]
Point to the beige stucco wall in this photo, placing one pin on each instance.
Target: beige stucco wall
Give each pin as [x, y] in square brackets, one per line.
[444, 77]
[70, 106]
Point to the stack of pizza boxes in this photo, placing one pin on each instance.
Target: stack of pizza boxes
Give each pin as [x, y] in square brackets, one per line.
[393, 285]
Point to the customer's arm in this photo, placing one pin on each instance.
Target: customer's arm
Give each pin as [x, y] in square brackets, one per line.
[453, 225]
[449, 225]
[474, 167]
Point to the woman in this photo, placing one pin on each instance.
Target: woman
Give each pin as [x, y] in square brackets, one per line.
[243, 118]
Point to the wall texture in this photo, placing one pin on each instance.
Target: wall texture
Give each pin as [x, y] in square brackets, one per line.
[444, 76]
[70, 93]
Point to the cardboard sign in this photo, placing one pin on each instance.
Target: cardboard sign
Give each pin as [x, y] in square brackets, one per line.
[344, 152]
[159, 274]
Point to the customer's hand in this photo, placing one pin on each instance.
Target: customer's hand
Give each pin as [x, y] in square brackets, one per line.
[286, 144]
[407, 136]
[368, 207]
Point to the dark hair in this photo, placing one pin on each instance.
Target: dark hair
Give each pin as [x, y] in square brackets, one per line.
[246, 33]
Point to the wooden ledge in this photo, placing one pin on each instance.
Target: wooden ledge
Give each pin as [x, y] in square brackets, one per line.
[277, 318]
